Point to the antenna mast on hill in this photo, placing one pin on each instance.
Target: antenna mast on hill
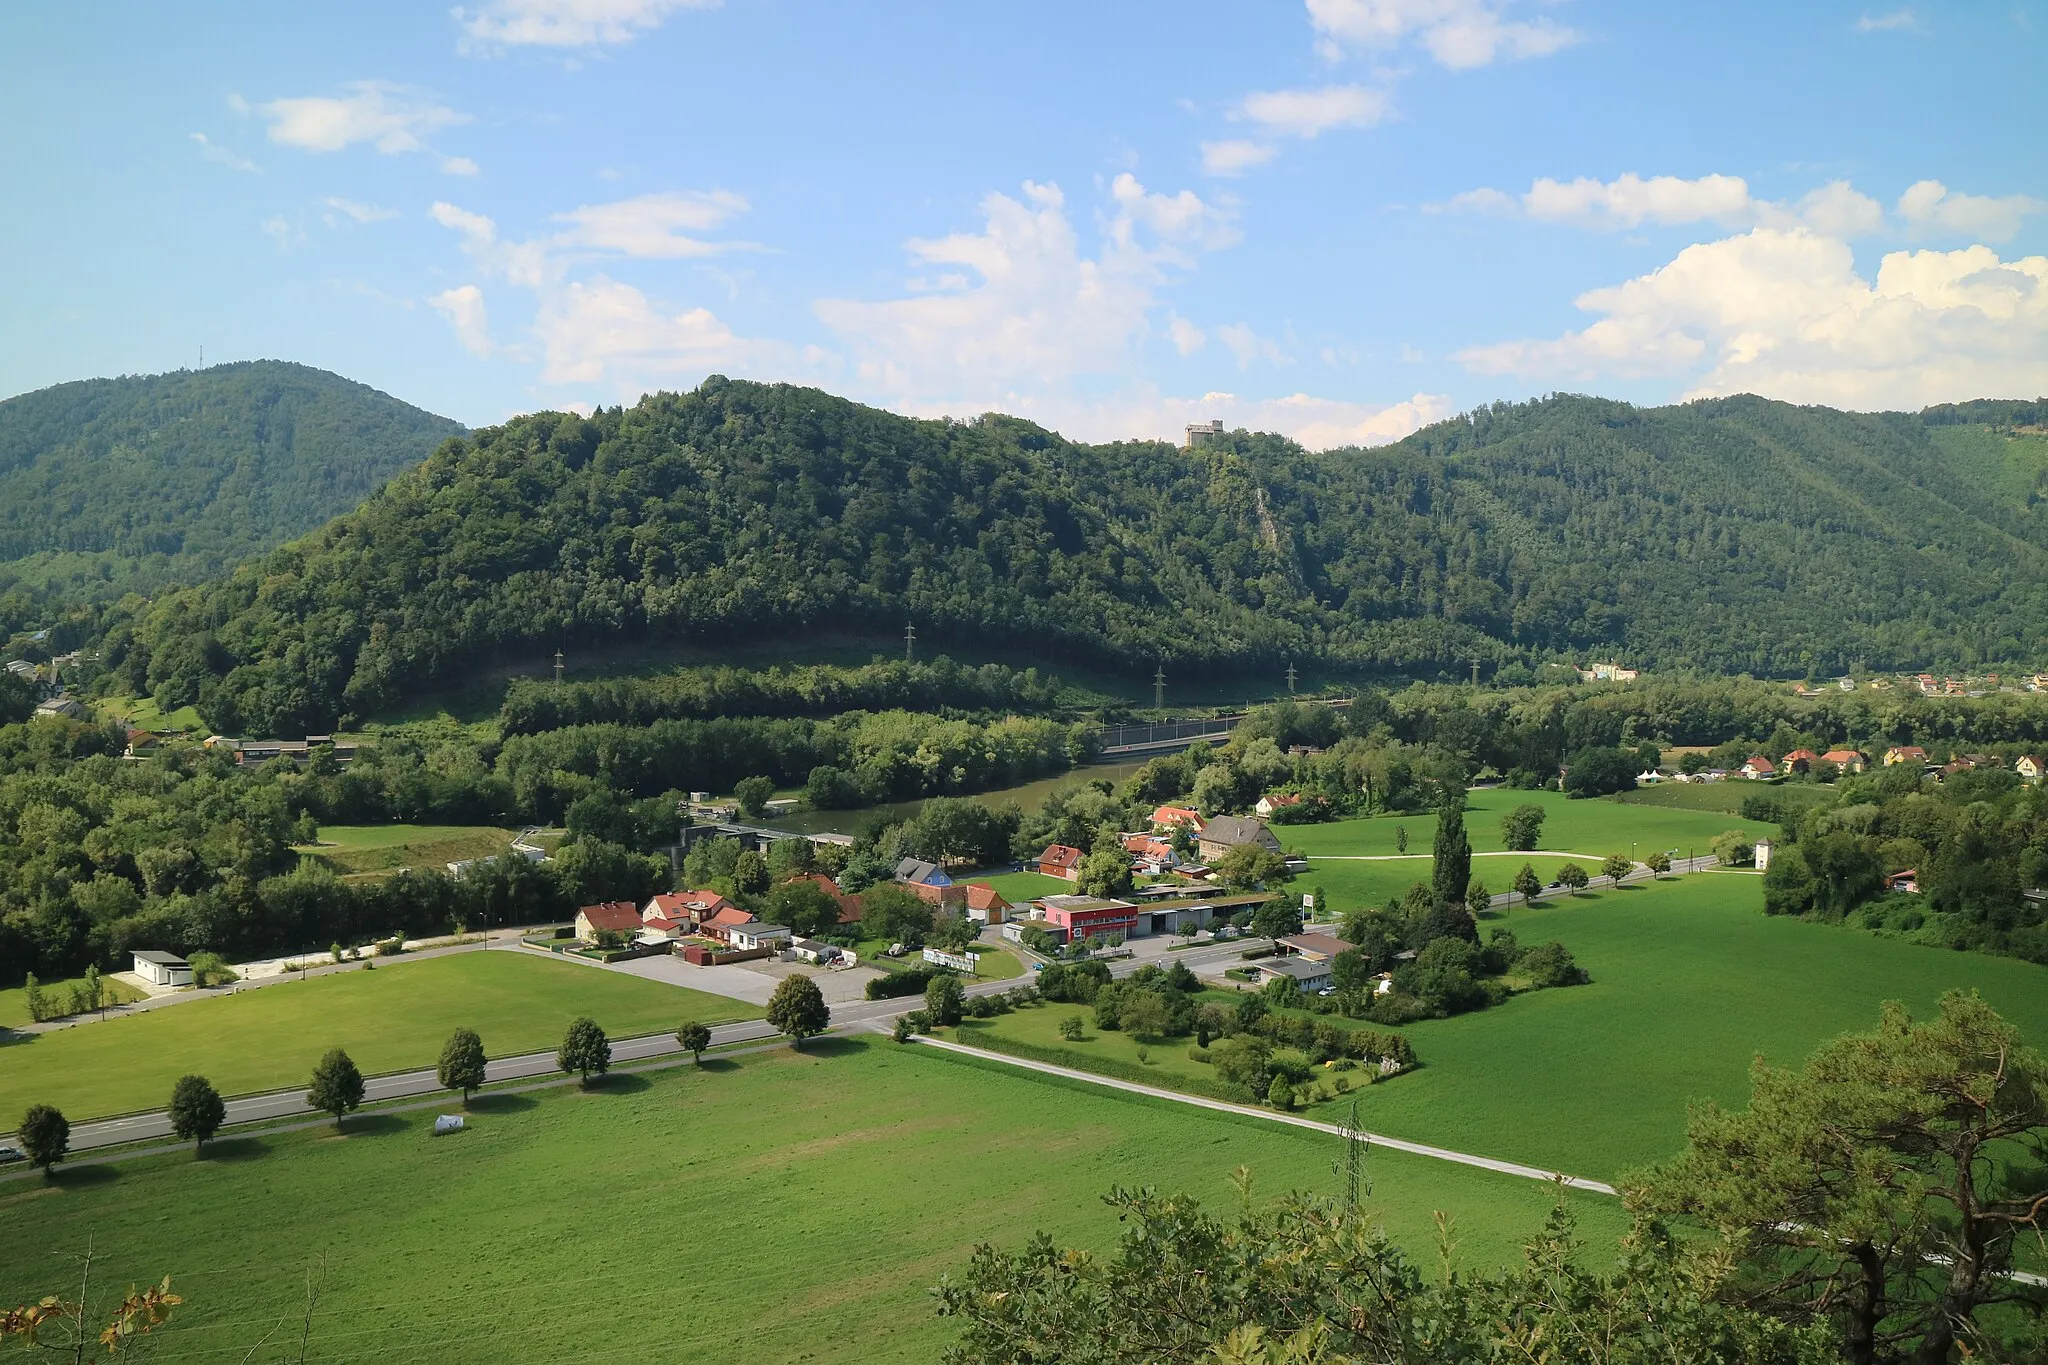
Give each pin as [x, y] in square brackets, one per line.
[909, 641]
[558, 668]
[1159, 689]
[1290, 677]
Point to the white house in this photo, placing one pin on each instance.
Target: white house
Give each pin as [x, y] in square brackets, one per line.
[746, 937]
[163, 969]
[1763, 855]
[1306, 975]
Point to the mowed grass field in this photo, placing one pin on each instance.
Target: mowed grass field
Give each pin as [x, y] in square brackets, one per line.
[1018, 887]
[830, 1190]
[390, 1019]
[1595, 827]
[1349, 885]
[1690, 981]
[386, 848]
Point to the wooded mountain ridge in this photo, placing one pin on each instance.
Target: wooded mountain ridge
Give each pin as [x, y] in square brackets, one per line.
[1731, 535]
[113, 485]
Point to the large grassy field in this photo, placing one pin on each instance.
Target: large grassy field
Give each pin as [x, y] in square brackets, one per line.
[389, 1019]
[1596, 827]
[1018, 887]
[1348, 885]
[1690, 981]
[1725, 797]
[386, 848]
[780, 1208]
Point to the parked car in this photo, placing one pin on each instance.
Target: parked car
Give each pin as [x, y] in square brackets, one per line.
[10, 1155]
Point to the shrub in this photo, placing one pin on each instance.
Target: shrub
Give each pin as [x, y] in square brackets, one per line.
[1071, 1028]
[211, 969]
[391, 947]
[910, 981]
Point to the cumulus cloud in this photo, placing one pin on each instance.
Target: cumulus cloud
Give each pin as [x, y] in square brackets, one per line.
[607, 331]
[1896, 21]
[354, 211]
[1307, 113]
[1784, 313]
[1458, 34]
[1185, 336]
[1630, 201]
[653, 226]
[1316, 422]
[565, 23]
[1023, 298]
[463, 306]
[222, 156]
[1235, 156]
[1929, 207]
[458, 165]
[1249, 347]
[392, 118]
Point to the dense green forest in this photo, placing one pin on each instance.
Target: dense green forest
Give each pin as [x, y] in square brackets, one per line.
[1732, 535]
[112, 485]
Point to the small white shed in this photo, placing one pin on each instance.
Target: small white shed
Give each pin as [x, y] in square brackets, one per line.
[163, 969]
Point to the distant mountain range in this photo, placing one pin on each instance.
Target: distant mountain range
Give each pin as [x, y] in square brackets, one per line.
[1731, 535]
[112, 485]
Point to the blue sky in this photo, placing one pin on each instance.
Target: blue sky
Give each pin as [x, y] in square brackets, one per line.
[1337, 219]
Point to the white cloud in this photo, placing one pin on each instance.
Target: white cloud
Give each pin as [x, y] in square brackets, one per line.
[392, 118]
[357, 212]
[1630, 200]
[1185, 336]
[1459, 34]
[464, 308]
[1145, 414]
[1235, 156]
[222, 156]
[458, 165]
[1897, 20]
[604, 330]
[1022, 299]
[1930, 207]
[282, 231]
[1783, 313]
[653, 225]
[1249, 347]
[565, 23]
[1306, 113]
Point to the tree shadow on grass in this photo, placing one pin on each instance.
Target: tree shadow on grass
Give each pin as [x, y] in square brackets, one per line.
[718, 1064]
[501, 1104]
[373, 1125]
[833, 1047]
[621, 1083]
[235, 1149]
[81, 1177]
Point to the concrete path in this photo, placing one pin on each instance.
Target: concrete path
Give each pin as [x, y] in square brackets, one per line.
[1485, 1163]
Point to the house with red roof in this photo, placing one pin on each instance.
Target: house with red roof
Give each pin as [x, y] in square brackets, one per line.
[985, 904]
[1061, 860]
[1759, 768]
[725, 921]
[1799, 761]
[1274, 801]
[615, 917]
[1848, 760]
[849, 904]
[1904, 753]
[2030, 767]
[1166, 819]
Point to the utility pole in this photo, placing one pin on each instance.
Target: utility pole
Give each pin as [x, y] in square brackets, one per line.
[1475, 672]
[1357, 1181]
[1290, 677]
[558, 668]
[1159, 688]
[909, 641]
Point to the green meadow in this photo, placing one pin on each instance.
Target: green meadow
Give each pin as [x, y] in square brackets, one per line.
[14, 1002]
[1690, 982]
[777, 1207]
[391, 1018]
[386, 848]
[1348, 885]
[1590, 827]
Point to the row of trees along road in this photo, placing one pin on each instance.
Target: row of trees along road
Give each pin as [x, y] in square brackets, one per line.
[197, 1110]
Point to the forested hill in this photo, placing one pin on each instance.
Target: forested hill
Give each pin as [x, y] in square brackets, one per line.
[108, 485]
[1730, 535]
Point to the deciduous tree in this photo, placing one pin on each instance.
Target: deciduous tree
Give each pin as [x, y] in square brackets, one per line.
[463, 1063]
[337, 1085]
[197, 1110]
[1527, 884]
[693, 1038]
[1573, 877]
[585, 1050]
[45, 1136]
[798, 1009]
